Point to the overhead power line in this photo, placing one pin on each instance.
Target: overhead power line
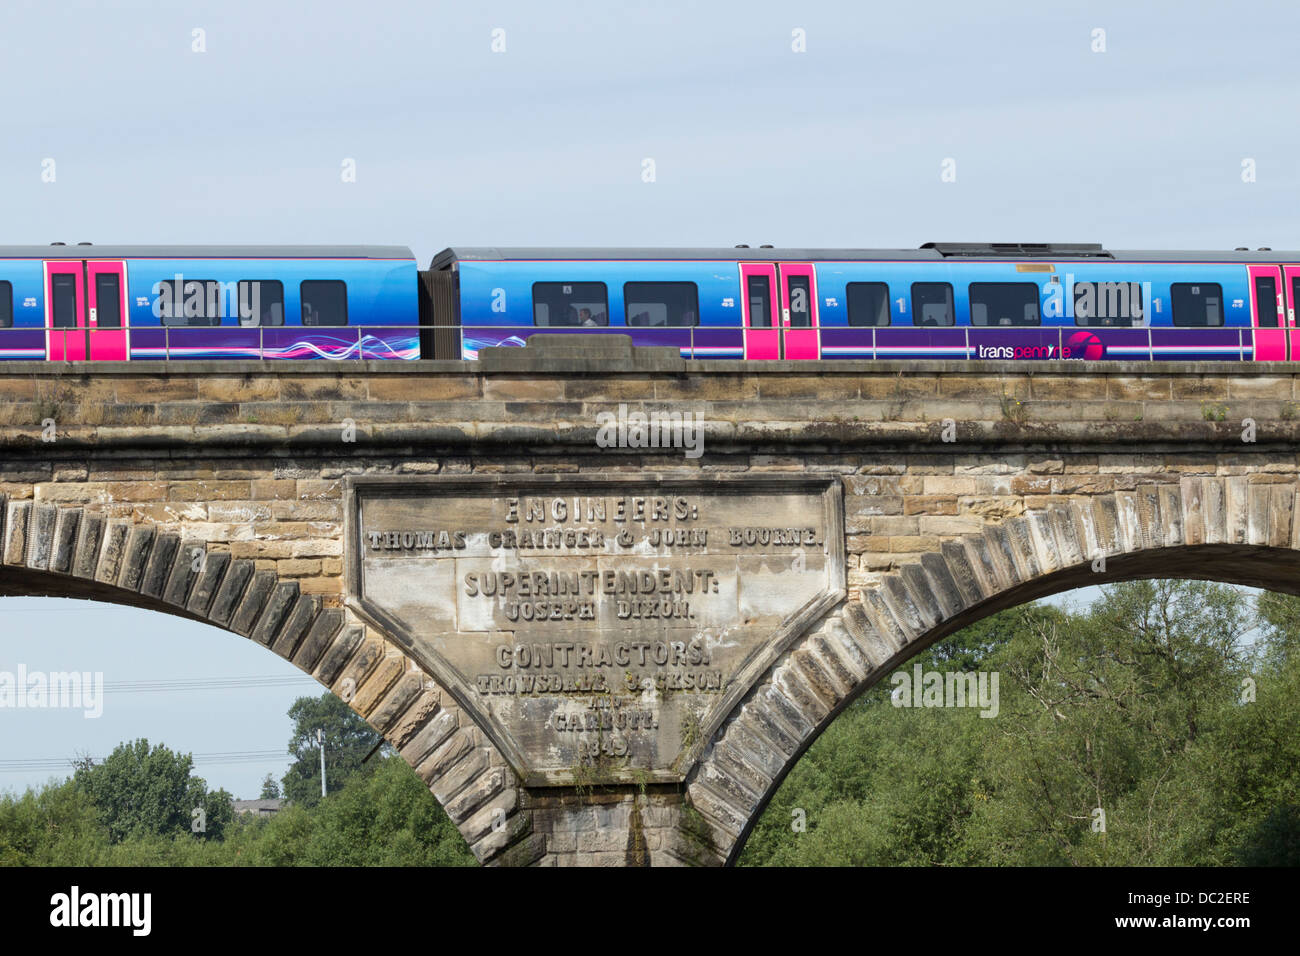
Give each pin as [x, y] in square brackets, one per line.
[205, 683]
[197, 683]
[36, 764]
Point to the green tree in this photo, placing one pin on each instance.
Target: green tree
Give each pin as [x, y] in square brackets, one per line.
[1132, 709]
[141, 791]
[270, 789]
[56, 825]
[889, 785]
[1091, 762]
[384, 817]
[348, 739]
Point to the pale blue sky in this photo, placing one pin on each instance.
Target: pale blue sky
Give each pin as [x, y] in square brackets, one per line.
[1138, 147]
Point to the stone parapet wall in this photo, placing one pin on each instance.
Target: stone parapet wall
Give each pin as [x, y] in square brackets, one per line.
[744, 405]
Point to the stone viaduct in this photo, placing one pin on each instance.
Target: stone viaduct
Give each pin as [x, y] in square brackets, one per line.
[221, 492]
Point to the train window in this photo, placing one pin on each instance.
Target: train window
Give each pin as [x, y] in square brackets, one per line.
[661, 304]
[799, 288]
[868, 303]
[6, 305]
[1198, 304]
[932, 303]
[760, 309]
[1117, 304]
[64, 300]
[1266, 302]
[190, 302]
[1004, 303]
[324, 302]
[108, 301]
[570, 304]
[261, 302]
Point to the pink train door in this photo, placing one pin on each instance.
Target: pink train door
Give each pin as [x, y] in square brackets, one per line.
[758, 307]
[106, 288]
[799, 311]
[1269, 315]
[65, 308]
[1291, 285]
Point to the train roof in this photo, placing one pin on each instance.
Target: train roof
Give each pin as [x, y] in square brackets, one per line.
[930, 252]
[89, 251]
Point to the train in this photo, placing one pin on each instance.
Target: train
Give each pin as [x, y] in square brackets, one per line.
[950, 301]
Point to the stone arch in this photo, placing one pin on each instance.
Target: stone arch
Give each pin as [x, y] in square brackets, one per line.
[1240, 529]
[69, 551]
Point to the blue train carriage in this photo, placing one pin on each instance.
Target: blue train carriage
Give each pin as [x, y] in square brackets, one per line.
[114, 303]
[1026, 302]
[944, 300]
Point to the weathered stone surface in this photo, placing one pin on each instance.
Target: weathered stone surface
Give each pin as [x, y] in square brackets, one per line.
[185, 570]
[371, 651]
[959, 567]
[112, 551]
[756, 748]
[496, 816]
[1001, 553]
[65, 539]
[90, 533]
[139, 541]
[377, 683]
[874, 626]
[256, 596]
[322, 631]
[295, 625]
[902, 606]
[337, 655]
[159, 566]
[40, 539]
[550, 607]
[204, 588]
[429, 738]
[838, 648]
[15, 532]
[395, 701]
[482, 786]
[440, 762]
[231, 590]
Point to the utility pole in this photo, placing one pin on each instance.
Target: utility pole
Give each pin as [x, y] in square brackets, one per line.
[320, 739]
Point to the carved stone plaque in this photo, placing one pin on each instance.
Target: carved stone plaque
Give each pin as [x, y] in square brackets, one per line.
[599, 629]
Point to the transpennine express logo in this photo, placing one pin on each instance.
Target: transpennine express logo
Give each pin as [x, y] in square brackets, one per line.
[1085, 345]
[1080, 345]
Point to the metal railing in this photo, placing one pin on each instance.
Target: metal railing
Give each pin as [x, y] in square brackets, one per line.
[362, 342]
[1137, 343]
[189, 342]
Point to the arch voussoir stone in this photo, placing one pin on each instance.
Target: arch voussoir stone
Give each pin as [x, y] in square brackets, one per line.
[972, 574]
[79, 552]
